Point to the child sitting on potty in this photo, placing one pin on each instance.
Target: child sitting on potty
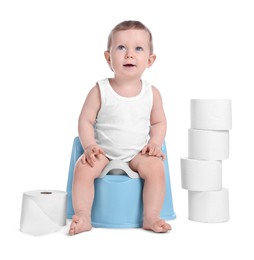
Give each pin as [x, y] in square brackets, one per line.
[123, 118]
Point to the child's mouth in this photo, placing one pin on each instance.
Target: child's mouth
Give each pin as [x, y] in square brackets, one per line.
[128, 65]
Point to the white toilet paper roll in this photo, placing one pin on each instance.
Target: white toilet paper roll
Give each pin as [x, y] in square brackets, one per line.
[201, 175]
[43, 211]
[209, 206]
[208, 145]
[211, 114]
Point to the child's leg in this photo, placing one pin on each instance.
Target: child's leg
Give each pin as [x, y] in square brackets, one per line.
[83, 193]
[151, 169]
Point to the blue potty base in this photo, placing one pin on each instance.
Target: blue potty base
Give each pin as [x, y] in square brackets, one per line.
[112, 208]
[118, 198]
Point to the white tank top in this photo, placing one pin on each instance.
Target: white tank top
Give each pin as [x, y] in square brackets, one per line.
[123, 123]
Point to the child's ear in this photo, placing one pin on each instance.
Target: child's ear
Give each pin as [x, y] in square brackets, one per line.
[107, 56]
[151, 60]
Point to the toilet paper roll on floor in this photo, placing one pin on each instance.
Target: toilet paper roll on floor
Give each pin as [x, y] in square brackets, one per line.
[211, 114]
[201, 175]
[208, 145]
[43, 211]
[209, 206]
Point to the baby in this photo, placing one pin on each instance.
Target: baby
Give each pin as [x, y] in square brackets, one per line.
[123, 118]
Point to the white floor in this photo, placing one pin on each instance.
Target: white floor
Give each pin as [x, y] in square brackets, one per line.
[187, 240]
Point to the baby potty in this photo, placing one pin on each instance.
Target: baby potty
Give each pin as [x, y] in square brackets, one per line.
[118, 194]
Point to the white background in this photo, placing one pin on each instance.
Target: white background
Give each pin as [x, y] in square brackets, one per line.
[51, 54]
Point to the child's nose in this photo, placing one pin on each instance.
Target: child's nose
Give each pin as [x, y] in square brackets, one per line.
[129, 55]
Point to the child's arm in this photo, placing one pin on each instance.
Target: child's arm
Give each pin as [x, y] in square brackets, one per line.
[158, 127]
[86, 125]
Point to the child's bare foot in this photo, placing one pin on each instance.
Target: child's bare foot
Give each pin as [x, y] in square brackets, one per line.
[79, 224]
[158, 226]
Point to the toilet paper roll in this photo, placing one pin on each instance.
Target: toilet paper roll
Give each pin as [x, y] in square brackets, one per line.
[208, 145]
[209, 206]
[201, 175]
[211, 114]
[43, 211]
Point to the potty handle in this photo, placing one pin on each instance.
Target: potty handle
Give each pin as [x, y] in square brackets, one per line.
[118, 167]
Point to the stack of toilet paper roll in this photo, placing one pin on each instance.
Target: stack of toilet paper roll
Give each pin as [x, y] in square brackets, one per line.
[201, 172]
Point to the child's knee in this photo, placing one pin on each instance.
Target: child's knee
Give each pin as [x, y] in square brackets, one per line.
[151, 166]
[154, 162]
[84, 168]
[80, 165]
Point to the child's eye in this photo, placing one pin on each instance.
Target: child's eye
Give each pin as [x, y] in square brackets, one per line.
[139, 48]
[121, 48]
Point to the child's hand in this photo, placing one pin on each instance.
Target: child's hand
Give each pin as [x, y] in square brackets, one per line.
[90, 154]
[153, 150]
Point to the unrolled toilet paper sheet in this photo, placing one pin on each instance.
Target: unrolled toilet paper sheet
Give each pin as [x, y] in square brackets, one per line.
[43, 211]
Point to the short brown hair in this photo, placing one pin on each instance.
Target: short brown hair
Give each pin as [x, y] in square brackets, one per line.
[126, 25]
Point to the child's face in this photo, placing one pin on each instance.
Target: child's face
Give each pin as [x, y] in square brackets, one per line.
[129, 53]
